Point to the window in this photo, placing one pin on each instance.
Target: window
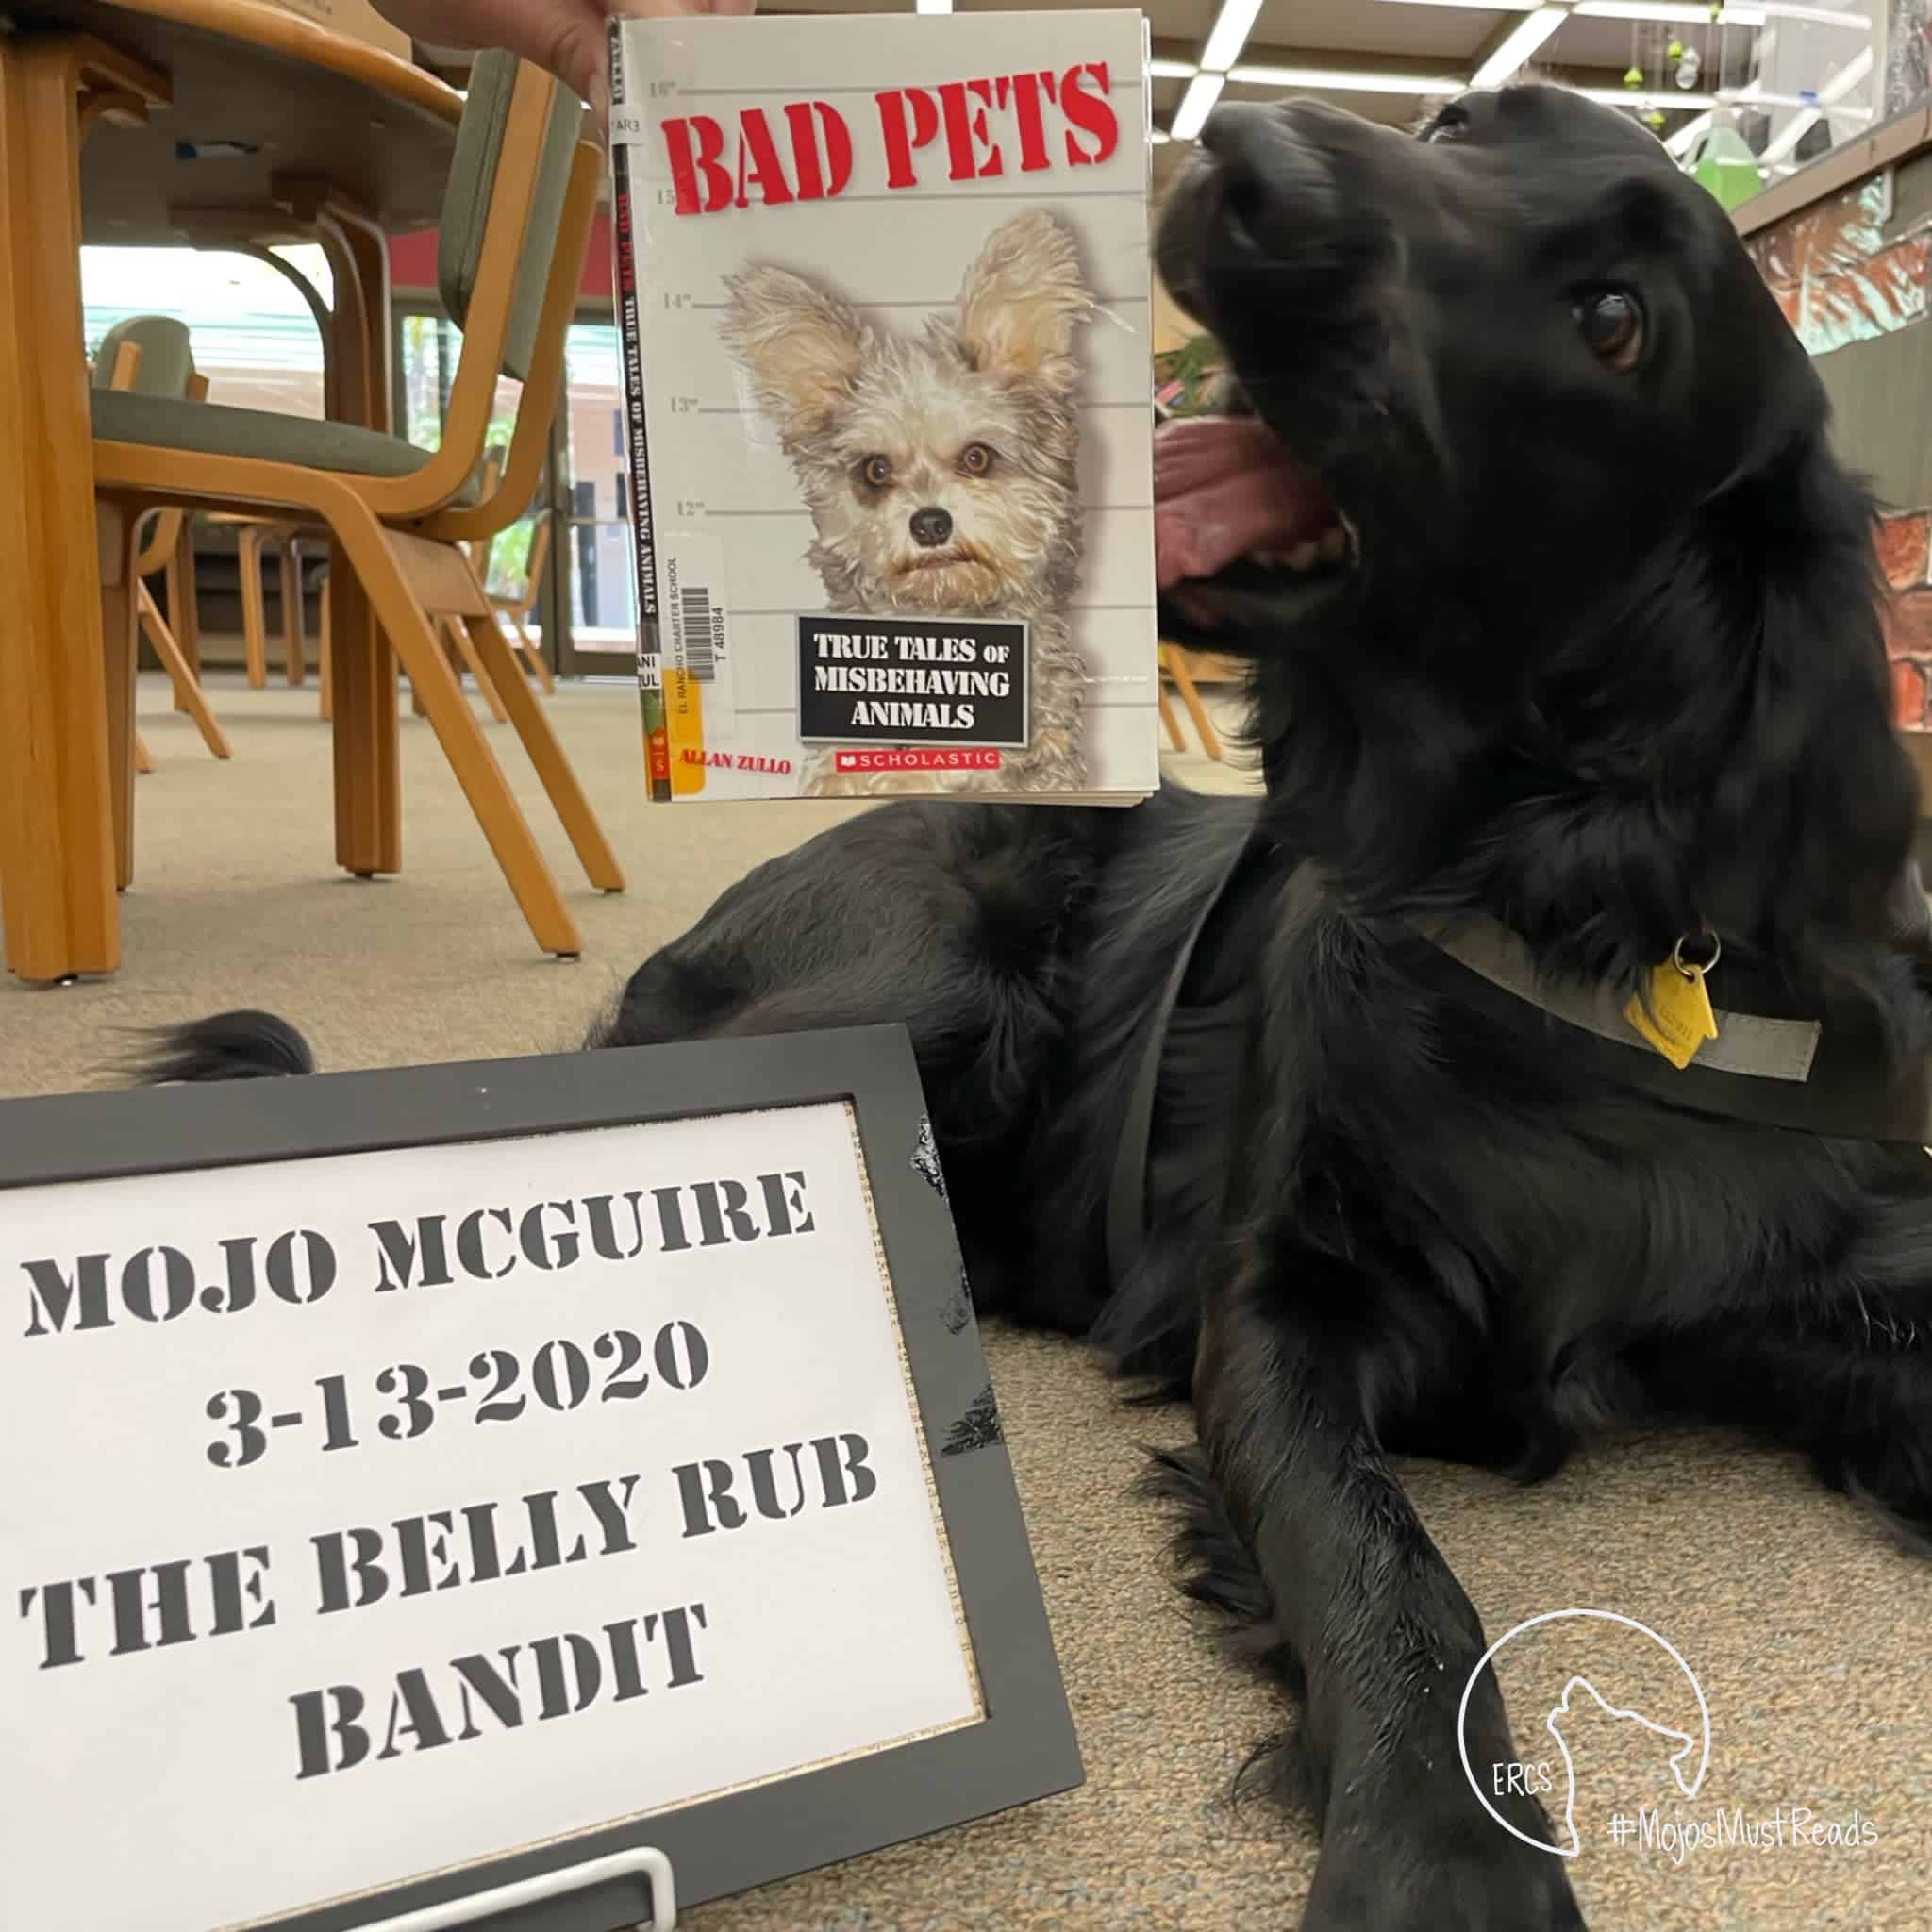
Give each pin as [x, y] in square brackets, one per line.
[255, 336]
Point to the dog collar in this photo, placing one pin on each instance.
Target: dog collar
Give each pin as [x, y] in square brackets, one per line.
[1804, 1073]
[1758, 1046]
[1772, 1070]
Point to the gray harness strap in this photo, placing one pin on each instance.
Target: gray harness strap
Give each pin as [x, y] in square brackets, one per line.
[1784, 1073]
[1126, 1196]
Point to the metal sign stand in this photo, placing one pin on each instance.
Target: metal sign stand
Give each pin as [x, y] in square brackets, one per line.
[645, 1861]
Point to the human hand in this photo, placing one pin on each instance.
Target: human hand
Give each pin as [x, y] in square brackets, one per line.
[569, 37]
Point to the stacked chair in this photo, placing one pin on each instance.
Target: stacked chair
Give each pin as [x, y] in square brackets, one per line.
[150, 356]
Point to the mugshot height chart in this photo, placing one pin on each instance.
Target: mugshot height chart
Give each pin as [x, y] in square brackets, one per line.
[398, 1510]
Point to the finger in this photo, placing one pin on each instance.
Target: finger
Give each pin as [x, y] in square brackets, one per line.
[671, 9]
[564, 37]
[652, 9]
[581, 56]
[600, 105]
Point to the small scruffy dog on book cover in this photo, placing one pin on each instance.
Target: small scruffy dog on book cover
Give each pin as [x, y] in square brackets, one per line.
[940, 470]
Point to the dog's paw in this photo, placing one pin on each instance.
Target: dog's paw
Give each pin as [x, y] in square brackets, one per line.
[1371, 1881]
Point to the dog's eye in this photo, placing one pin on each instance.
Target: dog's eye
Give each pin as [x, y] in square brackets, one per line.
[877, 470]
[1611, 324]
[1449, 124]
[975, 460]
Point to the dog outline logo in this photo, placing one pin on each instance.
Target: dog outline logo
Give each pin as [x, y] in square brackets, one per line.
[1685, 1742]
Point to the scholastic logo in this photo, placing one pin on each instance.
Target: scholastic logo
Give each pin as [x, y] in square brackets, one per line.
[1015, 124]
[969, 759]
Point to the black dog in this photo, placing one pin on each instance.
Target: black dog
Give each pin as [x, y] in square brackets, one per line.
[1595, 655]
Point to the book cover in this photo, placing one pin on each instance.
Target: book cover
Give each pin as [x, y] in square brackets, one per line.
[882, 287]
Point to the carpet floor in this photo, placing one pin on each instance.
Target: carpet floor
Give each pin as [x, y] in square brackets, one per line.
[1806, 1629]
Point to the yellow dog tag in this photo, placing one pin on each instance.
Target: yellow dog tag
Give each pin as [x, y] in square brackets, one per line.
[1678, 1019]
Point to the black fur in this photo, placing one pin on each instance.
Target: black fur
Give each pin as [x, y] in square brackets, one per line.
[1609, 670]
[226, 1046]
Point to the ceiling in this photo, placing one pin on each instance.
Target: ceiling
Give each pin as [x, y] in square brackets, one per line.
[1390, 60]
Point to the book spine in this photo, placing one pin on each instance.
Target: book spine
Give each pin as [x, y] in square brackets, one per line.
[644, 526]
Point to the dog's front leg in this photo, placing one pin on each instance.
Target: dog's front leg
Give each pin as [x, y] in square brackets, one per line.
[1319, 1540]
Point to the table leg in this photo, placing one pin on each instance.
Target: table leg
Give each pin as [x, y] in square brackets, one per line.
[362, 715]
[323, 635]
[57, 856]
[248, 546]
[362, 667]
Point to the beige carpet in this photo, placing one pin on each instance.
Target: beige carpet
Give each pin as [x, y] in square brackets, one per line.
[1809, 1634]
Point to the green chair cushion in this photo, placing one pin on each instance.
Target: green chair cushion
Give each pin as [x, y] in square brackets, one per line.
[215, 429]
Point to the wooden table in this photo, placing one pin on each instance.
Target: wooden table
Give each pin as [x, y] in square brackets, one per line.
[137, 122]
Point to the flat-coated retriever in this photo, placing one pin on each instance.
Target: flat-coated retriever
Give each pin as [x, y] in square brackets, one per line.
[1563, 621]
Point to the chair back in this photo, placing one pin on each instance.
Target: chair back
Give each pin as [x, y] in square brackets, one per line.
[517, 220]
[166, 367]
[472, 184]
[163, 365]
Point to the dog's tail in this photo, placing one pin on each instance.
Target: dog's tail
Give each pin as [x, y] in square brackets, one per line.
[243, 1045]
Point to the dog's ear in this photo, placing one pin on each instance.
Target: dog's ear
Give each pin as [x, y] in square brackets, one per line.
[1022, 300]
[1814, 795]
[1725, 736]
[801, 348]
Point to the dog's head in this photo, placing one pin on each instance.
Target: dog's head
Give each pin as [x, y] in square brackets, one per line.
[939, 471]
[1510, 356]
[1530, 484]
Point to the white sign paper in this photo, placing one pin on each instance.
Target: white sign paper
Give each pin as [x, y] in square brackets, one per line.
[368, 1515]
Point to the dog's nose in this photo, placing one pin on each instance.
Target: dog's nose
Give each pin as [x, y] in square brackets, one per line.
[1274, 182]
[931, 527]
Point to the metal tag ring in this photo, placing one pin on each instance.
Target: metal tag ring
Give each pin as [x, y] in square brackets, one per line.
[1686, 967]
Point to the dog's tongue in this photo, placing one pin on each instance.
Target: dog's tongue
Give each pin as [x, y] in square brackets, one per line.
[1224, 487]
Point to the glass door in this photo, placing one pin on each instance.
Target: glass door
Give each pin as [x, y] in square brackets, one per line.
[428, 346]
[597, 586]
[581, 609]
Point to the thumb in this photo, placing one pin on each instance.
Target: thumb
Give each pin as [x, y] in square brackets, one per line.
[575, 46]
[566, 36]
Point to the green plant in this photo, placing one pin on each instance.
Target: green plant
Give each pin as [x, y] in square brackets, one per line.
[1193, 365]
[510, 559]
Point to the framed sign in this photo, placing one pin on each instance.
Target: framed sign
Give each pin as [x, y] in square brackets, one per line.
[420, 1482]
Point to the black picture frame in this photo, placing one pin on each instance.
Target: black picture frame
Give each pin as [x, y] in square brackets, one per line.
[1024, 1749]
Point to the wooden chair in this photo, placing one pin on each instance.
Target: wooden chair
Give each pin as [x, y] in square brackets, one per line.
[1174, 667]
[255, 538]
[515, 220]
[460, 647]
[152, 354]
[450, 627]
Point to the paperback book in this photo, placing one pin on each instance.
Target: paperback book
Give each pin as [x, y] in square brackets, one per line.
[884, 293]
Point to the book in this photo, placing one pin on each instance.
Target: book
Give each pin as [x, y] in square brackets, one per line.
[883, 287]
